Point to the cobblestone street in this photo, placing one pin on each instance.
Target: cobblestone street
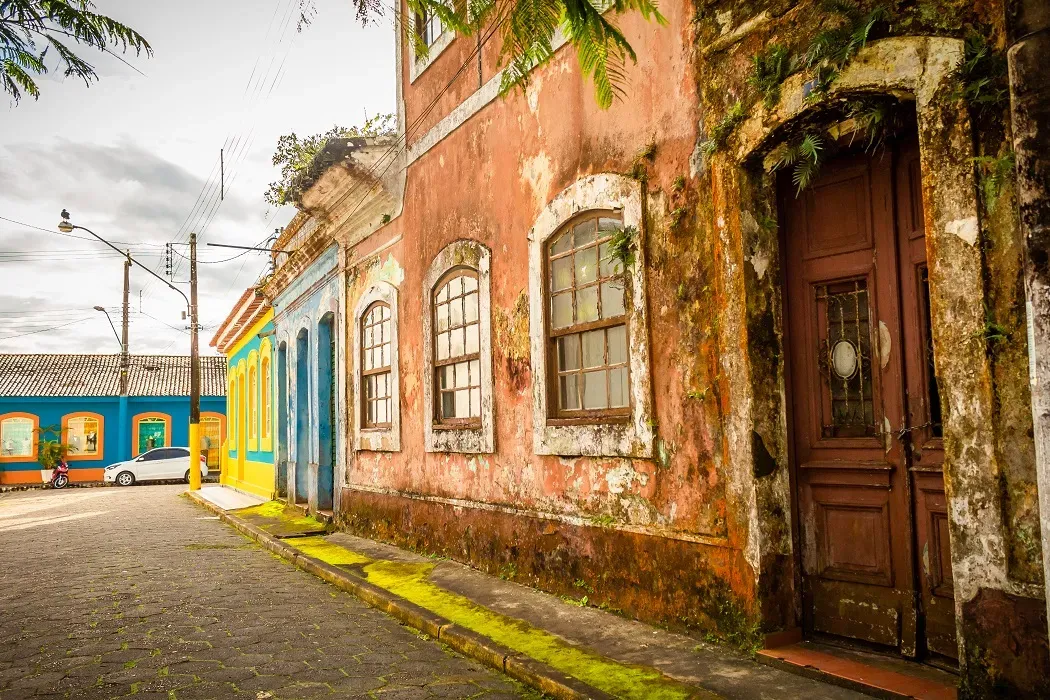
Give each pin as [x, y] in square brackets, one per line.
[108, 592]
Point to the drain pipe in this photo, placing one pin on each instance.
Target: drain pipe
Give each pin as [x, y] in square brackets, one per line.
[1028, 57]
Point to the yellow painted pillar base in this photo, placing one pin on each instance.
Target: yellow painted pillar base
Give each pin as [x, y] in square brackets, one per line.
[224, 463]
[195, 456]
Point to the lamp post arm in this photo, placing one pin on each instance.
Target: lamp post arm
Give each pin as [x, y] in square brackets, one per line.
[115, 334]
[166, 282]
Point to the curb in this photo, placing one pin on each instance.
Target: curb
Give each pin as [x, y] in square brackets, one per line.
[522, 668]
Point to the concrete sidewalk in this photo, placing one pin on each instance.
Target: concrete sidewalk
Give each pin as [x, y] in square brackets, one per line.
[228, 499]
[558, 646]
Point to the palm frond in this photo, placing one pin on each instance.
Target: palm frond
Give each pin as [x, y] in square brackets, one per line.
[21, 21]
[15, 79]
[803, 174]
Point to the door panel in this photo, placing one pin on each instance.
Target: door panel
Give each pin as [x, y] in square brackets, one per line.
[923, 437]
[847, 399]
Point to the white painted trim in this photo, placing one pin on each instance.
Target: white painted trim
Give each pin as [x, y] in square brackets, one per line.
[632, 439]
[463, 253]
[417, 67]
[464, 110]
[454, 119]
[377, 439]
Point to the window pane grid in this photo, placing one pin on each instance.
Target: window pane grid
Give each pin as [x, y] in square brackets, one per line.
[587, 324]
[430, 27]
[586, 282]
[457, 345]
[376, 373]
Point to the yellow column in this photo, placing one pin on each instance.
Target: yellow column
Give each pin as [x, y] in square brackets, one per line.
[195, 456]
[224, 462]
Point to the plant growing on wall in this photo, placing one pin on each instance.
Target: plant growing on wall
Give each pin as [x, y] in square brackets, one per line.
[50, 448]
[769, 69]
[831, 49]
[980, 77]
[875, 120]
[294, 154]
[724, 128]
[804, 155]
[995, 172]
[623, 245]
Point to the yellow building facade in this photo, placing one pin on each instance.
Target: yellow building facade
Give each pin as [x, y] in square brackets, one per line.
[246, 339]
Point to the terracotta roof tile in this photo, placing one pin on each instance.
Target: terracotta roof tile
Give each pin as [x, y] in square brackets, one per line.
[249, 308]
[99, 375]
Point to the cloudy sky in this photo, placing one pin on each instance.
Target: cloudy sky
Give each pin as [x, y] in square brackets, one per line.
[135, 158]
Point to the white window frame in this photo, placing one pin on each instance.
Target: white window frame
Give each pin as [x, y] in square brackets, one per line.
[385, 439]
[634, 438]
[479, 440]
[416, 65]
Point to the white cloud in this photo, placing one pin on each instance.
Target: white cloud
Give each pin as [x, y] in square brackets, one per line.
[129, 156]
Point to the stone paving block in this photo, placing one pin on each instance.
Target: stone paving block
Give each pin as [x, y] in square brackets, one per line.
[152, 616]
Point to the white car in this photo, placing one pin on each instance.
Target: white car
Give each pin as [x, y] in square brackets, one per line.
[155, 465]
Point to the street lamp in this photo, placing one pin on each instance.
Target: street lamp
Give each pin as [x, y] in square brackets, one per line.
[67, 226]
[115, 334]
[124, 342]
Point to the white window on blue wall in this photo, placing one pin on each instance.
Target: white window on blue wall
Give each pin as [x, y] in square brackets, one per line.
[17, 436]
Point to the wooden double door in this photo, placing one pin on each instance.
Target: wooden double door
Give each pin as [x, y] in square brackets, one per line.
[864, 408]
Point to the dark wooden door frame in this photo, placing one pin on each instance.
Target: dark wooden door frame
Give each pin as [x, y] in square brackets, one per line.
[889, 287]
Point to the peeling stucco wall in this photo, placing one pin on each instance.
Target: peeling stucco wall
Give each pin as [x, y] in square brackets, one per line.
[301, 306]
[712, 484]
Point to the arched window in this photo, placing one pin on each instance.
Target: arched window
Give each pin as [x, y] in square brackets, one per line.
[457, 351]
[377, 389]
[253, 397]
[587, 321]
[83, 433]
[211, 436]
[148, 431]
[18, 437]
[377, 425]
[231, 411]
[266, 397]
[457, 344]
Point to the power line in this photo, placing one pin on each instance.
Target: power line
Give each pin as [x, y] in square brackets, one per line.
[400, 144]
[209, 200]
[45, 330]
[67, 235]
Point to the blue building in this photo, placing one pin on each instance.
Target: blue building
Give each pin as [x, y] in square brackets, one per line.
[309, 325]
[77, 399]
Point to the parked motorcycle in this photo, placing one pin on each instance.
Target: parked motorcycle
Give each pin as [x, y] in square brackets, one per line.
[60, 475]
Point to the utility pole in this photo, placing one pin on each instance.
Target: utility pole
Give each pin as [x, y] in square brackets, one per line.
[1028, 54]
[124, 359]
[195, 375]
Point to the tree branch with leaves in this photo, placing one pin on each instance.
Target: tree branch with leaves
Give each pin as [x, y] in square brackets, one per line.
[528, 31]
[29, 29]
[295, 154]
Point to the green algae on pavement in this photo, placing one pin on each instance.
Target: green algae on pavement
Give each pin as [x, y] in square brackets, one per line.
[280, 520]
[410, 581]
[320, 548]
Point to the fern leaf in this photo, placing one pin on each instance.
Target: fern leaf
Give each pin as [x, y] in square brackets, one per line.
[810, 147]
[803, 174]
[15, 80]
